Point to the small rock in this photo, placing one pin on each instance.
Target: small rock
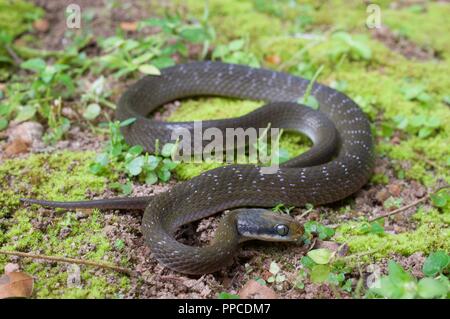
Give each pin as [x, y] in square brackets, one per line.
[80, 215]
[253, 290]
[41, 25]
[11, 267]
[64, 232]
[69, 113]
[15, 147]
[29, 132]
[73, 276]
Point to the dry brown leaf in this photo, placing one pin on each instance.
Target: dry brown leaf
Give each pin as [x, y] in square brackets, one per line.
[41, 25]
[253, 290]
[17, 146]
[273, 59]
[129, 26]
[16, 285]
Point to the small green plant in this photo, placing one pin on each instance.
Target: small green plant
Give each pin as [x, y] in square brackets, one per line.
[416, 92]
[308, 99]
[120, 157]
[441, 199]
[375, 227]
[227, 295]
[179, 34]
[421, 125]
[353, 47]
[322, 267]
[235, 52]
[58, 124]
[401, 284]
[277, 276]
[313, 228]
[93, 98]
[393, 202]
[281, 208]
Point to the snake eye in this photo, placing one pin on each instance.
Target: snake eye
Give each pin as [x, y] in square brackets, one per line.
[282, 229]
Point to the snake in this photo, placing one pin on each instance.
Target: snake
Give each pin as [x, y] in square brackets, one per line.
[339, 162]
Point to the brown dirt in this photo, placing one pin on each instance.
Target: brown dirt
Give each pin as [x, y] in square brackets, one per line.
[402, 45]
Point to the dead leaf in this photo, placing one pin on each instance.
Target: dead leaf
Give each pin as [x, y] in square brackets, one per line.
[129, 26]
[41, 25]
[17, 146]
[253, 290]
[16, 285]
[273, 59]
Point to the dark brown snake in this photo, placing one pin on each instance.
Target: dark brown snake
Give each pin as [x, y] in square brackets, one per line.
[338, 164]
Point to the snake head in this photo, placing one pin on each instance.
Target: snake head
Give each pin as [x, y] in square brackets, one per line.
[263, 224]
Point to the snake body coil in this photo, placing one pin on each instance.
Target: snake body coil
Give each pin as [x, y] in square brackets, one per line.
[338, 164]
[321, 181]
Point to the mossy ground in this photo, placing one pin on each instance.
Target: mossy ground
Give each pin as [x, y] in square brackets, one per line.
[57, 176]
[376, 83]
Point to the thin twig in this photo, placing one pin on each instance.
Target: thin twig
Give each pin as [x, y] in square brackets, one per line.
[16, 59]
[401, 209]
[70, 261]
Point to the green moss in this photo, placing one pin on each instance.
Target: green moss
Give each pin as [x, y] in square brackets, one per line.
[16, 15]
[424, 27]
[221, 108]
[431, 234]
[58, 176]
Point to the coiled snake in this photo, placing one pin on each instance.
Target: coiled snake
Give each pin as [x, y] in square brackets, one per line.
[337, 165]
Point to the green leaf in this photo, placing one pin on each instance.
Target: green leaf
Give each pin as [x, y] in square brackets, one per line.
[307, 262]
[435, 263]
[152, 162]
[149, 69]
[226, 295]
[167, 149]
[135, 150]
[169, 164]
[36, 65]
[164, 175]
[102, 159]
[397, 273]
[125, 189]
[425, 132]
[194, 34]
[321, 256]
[163, 62]
[127, 122]
[25, 113]
[135, 166]
[96, 168]
[274, 268]
[92, 111]
[151, 178]
[3, 124]
[440, 199]
[236, 45]
[320, 273]
[431, 288]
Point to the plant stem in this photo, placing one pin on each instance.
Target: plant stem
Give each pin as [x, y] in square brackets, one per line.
[401, 209]
[70, 261]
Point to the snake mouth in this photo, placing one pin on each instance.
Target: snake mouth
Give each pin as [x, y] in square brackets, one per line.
[262, 224]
